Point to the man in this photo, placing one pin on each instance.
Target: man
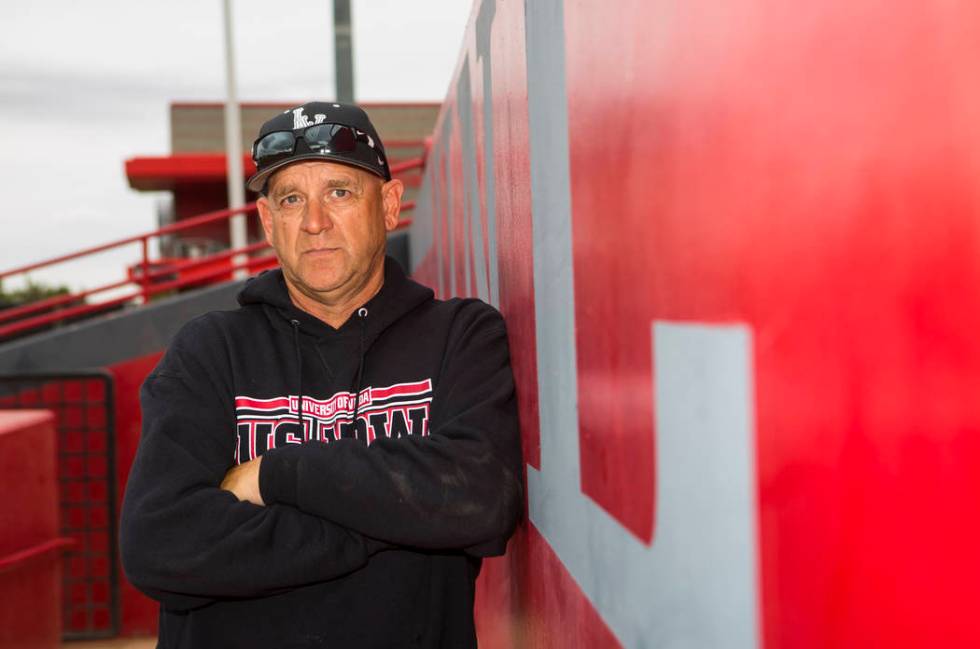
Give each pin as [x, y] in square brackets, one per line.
[326, 465]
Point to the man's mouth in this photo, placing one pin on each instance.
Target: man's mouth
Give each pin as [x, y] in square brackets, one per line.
[320, 251]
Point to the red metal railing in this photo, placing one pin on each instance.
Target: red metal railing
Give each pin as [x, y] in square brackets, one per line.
[21, 557]
[152, 277]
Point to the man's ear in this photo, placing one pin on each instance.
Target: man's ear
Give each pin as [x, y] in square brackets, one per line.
[265, 216]
[391, 196]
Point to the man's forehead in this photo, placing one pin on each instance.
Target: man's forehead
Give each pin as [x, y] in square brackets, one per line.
[319, 172]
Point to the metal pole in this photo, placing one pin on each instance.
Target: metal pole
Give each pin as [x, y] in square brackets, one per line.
[343, 39]
[238, 232]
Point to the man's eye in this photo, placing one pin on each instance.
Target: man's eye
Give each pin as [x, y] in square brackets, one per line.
[340, 193]
[290, 200]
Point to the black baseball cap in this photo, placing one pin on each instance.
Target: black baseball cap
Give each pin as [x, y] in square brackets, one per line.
[317, 130]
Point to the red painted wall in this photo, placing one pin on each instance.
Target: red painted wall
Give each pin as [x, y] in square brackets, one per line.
[138, 614]
[808, 173]
[30, 548]
[76, 404]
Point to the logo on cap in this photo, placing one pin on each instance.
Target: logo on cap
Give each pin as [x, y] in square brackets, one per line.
[302, 121]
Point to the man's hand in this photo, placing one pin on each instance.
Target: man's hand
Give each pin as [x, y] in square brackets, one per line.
[243, 481]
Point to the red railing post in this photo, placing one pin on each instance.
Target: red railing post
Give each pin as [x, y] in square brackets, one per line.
[144, 277]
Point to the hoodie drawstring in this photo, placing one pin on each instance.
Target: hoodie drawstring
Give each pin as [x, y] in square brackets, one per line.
[299, 378]
[362, 314]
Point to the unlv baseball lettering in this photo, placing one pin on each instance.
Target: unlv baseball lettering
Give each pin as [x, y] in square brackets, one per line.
[394, 411]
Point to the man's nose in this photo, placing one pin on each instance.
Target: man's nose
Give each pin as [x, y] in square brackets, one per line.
[317, 218]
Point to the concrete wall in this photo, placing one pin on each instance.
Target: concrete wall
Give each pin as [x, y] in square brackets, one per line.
[738, 248]
[116, 338]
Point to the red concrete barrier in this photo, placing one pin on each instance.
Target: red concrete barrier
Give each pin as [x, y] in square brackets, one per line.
[30, 557]
[737, 247]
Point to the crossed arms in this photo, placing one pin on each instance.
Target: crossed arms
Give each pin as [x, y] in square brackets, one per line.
[195, 528]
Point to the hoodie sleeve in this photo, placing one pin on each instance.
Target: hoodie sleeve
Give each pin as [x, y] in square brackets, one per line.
[185, 541]
[458, 488]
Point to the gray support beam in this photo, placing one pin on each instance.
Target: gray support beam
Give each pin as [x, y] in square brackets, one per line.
[343, 38]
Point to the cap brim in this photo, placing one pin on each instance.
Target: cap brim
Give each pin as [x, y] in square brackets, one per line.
[257, 181]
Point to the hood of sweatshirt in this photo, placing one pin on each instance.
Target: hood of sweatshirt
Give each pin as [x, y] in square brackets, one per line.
[398, 296]
[336, 349]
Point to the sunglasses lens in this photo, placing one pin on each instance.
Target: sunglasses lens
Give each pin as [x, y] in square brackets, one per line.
[274, 145]
[332, 137]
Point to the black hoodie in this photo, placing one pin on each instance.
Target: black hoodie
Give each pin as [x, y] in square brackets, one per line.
[372, 533]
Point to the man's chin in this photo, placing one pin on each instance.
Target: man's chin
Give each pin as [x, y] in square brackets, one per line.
[324, 282]
[322, 287]
[322, 276]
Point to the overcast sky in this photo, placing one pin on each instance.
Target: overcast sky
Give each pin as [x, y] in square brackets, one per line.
[86, 85]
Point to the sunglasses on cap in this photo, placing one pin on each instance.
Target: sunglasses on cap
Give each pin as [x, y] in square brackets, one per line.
[319, 138]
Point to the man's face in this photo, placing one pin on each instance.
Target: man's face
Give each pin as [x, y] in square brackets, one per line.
[327, 223]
